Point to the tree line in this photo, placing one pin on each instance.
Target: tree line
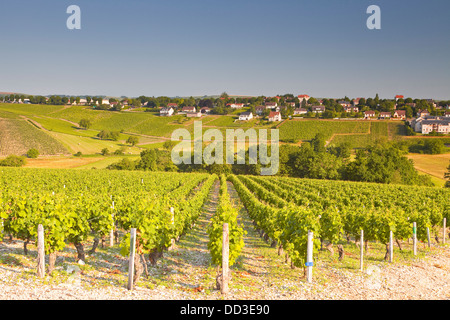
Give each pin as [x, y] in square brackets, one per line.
[381, 162]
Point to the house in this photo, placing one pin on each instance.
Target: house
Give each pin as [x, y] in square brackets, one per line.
[398, 97]
[351, 108]
[259, 110]
[172, 105]
[113, 103]
[303, 97]
[205, 110]
[290, 104]
[385, 115]
[271, 105]
[447, 114]
[318, 109]
[166, 112]
[235, 105]
[369, 114]
[356, 101]
[245, 116]
[399, 114]
[83, 102]
[440, 126]
[274, 116]
[188, 109]
[423, 113]
[300, 111]
[344, 103]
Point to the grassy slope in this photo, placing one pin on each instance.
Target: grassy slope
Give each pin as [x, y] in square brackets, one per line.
[433, 165]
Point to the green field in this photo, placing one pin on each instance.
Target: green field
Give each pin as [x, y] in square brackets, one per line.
[18, 136]
[296, 130]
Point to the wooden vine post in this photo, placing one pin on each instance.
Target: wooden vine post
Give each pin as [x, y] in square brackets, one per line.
[309, 257]
[111, 233]
[41, 252]
[428, 238]
[361, 250]
[415, 238]
[131, 258]
[225, 257]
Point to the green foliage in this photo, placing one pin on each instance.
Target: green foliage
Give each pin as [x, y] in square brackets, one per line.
[13, 161]
[109, 135]
[133, 140]
[383, 163]
[225, 213]
[85, 123]
[32, 153]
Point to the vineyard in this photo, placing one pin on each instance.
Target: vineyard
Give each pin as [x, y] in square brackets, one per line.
[97, 209]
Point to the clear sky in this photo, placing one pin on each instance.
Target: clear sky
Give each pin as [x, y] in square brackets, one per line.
[244, 47]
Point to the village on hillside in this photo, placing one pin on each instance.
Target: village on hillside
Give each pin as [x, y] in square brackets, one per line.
[425, 116]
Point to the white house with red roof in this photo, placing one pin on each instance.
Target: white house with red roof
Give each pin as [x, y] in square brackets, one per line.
[188, 109]
[385, 115]
[399, 114]
[274, 116]
[303, 97]
[369, 114]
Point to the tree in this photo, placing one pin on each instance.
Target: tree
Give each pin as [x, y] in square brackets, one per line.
[13, 161]
[434, 146]
[133, 140]
[85, 123]
[104, 134]
[383, 163]
[32, 153]
[318, 142]
[105, 152]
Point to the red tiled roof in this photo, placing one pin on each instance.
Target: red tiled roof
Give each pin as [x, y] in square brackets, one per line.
[273, 114]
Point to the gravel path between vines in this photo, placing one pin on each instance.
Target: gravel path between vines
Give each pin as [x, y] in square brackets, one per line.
[186, 273]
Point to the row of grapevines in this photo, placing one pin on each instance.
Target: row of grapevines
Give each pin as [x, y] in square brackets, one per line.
[225, 213]
[288, 226]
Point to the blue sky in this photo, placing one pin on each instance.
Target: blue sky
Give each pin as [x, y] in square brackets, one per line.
[244, 47]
